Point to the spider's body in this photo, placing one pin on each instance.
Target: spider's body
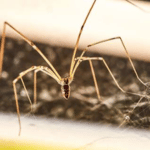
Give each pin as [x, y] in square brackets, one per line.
[65, 87]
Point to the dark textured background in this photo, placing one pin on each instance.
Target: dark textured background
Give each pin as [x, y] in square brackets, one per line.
[82, 104]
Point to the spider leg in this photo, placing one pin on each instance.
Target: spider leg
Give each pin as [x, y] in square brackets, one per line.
[26, 91]
[110, 39]
[95, 80]
[78, 39]
[47, 71]
[29, 42]
[38, 68]
[136, 6]
[110, 72]
[15, 92]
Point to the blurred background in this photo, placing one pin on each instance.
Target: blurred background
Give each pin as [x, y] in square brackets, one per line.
[54, 26]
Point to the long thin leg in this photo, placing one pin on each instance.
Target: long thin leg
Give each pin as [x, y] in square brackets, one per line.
[95, 81]
[35, 86]
[47, 71]
[26, 91]
[136, 5]
[29, 42]
[38, 68]
[77, 42]
[15, 92]
[102, 59]
[35, 83]
[127, 54]
[17, 107]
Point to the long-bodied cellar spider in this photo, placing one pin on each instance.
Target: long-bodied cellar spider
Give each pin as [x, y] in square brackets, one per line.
[51, 71]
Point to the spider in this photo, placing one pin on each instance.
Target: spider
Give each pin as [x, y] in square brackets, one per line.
[51, 71]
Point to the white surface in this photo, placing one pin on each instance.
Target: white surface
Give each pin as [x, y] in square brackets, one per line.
[58, 22]
[74, 134]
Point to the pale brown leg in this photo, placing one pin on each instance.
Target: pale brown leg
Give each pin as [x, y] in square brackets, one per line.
[38, 68]
[15, 93]
[78, 39]
[26, 91]
[102, 59]
[126, 117]
[114, 38]
[29, 42]
[95, 81]
[17, 107]
[35, 87]
[136, 6]
[46, 71]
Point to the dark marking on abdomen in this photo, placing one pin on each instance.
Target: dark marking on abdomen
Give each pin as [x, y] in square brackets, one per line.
[65, 91]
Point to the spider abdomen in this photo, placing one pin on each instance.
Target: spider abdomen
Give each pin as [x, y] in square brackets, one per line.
[65, 91]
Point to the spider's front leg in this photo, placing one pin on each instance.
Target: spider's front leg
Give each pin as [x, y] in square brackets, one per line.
[45, 70]
[15, 91]
[29, 42]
